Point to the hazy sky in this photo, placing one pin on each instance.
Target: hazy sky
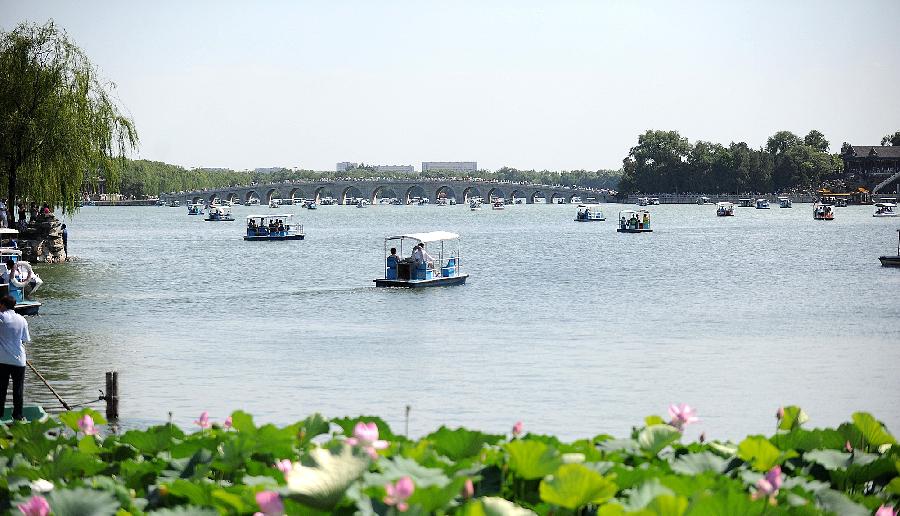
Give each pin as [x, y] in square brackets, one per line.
[546, 85]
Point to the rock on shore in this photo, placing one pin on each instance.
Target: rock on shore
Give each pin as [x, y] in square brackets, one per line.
[42, 240]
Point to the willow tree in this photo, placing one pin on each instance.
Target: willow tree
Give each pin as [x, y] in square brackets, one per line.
[60, 127]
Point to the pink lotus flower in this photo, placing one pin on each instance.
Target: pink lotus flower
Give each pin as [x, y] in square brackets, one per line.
[885, 510]
[468, 489]
[86, 425]
[779, 414]
[848, 447]
[769, 484]
[365, 436]
[284, 466]
[682, 414]
[228, 424]
[517, 429]
[270, 503]
[203, 422]
[398, 493]
[36, 506]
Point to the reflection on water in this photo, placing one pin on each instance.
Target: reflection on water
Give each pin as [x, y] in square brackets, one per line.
[571, 327]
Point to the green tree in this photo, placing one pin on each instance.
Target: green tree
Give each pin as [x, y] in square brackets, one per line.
[893, 139]
[59, 125]
[657, 163]
[816, 140]
[781, 141]
[802, 165]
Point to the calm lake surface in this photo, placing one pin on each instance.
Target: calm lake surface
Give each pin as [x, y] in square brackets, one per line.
[570, 327]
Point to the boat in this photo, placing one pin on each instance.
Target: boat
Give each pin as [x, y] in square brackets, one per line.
[174, 203]
[253, 202]
[643, 201]
[310, 205]
[840, 202]
[219, 214]
[560, 200]
[275, 203]
[589, 213]
[703, 200]
[745, 203]
[498, 205]
[654, 201]
[24, 281]
[273, 227]
[475, 204]
[892, 261]
[327, 201]
[575, 199]
[784, 202]
[725, 209]
[160, 202]
[362, 203]
[631, 221]
[443, 271]
[29, 412]
[885, 209]
[822, 212]
[762, 204]
[195, 208]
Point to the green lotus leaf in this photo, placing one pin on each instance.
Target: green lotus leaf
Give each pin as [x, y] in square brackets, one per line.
[696, 463]
[761, 453]
[573, 486]
[68, 463]
[728, 502]
[640, 496]
[312, 427]
[152, 440]
[668, 505]
[531, 460]
[460, 443]
[242, 422]
[81, 502]
[398, 467]
[619, 445]
[804, 440]
[492, 506]
[70, 419]
[792, 419]
[324, 475]
[186, 510]
[836, 502]
[432, 498]
[654, 438]
[726, 449]
[833, 459]
[872, 430]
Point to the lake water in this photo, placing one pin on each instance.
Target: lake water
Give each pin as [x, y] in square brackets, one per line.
[572, 328]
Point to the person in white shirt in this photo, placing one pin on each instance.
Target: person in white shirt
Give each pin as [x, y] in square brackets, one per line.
[417, 254]
[13, 336]
[427, 258]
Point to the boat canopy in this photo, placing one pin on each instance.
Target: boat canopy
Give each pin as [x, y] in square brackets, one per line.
[628, 212]
[885, 205]
[8, 231]
[725, 204]
[277, 216]
[432, 236]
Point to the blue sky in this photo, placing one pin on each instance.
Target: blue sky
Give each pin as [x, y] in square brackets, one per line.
[545, 85]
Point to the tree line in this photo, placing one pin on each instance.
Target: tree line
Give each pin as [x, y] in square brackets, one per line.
[143, 178]
[665, 161]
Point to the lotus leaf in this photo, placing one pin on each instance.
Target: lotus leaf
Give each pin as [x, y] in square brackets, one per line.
[654, 438]
[532, 460]
[573, 486]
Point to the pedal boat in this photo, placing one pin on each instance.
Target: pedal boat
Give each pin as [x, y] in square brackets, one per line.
[406, 273]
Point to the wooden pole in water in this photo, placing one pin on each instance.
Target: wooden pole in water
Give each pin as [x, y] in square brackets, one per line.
[64, 404]
[407, 421]
[112, 395]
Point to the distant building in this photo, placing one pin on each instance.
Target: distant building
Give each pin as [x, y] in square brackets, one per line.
[871, 164]
[408, 169]
[344, 166]
[449, 166]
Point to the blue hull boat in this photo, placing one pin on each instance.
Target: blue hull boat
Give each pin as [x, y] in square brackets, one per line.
[30, 412]
[434, 282]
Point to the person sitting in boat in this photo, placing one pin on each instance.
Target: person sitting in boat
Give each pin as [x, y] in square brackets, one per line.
[7, 271]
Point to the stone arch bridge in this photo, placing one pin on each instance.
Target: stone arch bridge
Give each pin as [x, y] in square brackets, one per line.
[373, 190]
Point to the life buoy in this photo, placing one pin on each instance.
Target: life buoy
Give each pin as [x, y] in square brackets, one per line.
[26, 271]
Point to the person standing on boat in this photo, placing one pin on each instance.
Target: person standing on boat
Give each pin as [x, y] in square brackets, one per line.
[3, 218]
[13, 336]
[65, 237]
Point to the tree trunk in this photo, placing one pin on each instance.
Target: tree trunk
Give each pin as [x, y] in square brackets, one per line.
[11, 210]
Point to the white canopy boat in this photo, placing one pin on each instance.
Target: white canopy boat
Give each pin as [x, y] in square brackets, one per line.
[822, 212]
[443, 269]
[273, 227]
[762, 204]
[885, 209]
[219, 214]
[631, 221]
[23, 281]
[589, 213]
[725, 209]
[195, 208]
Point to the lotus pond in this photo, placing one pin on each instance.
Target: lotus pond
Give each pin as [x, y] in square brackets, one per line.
[359, 465]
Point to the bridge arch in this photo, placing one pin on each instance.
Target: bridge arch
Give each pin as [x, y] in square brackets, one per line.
[232, 197]
[446, 190]
[415, 191]
[196, 199]
[213, 198]
[495, 192]
[382, 191]
[273, 193]
[297, 193]
[251, 194]
[535, 195]
[322, 192]
[517, 194]
[350, 191]
[471, 192]
[572, 196]
[555, 196]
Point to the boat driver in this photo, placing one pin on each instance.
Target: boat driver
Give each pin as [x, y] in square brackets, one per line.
[393, 259]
